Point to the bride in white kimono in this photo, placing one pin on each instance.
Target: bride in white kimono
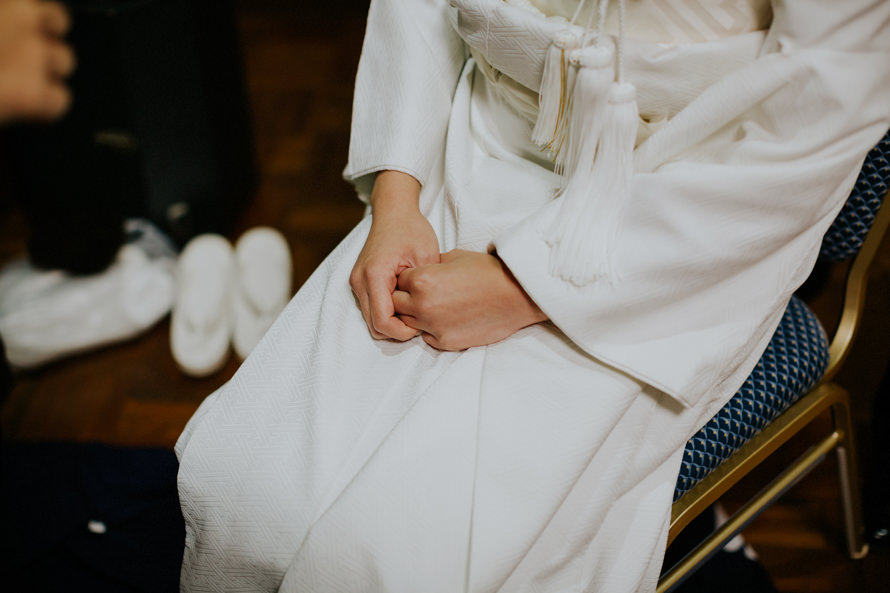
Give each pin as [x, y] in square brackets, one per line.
[509, 416]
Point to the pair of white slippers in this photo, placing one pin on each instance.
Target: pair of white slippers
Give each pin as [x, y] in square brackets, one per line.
[226, 296]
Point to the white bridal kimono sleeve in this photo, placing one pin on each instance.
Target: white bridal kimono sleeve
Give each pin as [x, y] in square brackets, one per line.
[729, 203]
[736, 190]
[546, 463]
[409, 68]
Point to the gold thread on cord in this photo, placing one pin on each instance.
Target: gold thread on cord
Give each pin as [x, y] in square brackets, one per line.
[552, 147]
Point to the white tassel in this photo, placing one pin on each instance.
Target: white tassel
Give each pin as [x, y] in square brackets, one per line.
[592, 75]
[586, 226]
[554, 88]
[557, 148]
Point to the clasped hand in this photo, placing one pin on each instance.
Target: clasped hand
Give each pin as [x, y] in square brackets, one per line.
[465, 299]
[405, 287]
[468, 299]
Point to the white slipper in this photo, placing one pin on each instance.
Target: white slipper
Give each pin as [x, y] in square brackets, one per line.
[201, 324]
[263, 285]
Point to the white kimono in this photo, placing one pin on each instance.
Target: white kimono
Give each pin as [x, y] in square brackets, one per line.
[333, 462]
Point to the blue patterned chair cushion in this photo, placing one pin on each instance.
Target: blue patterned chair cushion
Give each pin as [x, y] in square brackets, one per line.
[846, 234]
[794, 361]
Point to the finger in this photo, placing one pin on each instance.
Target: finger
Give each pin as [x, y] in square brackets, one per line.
[382, 312]
[361, 299]
[403, 281]
[431, 340]
[53, 102]
[452, 255]
[437, 343]
[358, 283]
[403, 303]
[407, 311]
[54, 19]
[394, 328]
[361, 291]
[412, 323]
[60, 60]
[366, 313]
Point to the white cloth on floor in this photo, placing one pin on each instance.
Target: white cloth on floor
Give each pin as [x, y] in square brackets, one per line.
[49, 314]
[545, 462]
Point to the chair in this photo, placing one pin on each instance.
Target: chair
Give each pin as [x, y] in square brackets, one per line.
[790, 387]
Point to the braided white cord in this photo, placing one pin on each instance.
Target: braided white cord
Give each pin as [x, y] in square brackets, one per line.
[619, 60]
[577, 12]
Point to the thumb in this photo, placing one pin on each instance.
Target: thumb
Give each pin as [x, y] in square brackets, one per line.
[403, 281]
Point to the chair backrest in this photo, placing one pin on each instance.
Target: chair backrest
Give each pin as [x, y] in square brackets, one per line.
[849, 230]
[856, 233]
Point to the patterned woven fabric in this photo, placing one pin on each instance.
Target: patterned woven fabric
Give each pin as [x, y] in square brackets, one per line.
[793, 362]
[848, 231]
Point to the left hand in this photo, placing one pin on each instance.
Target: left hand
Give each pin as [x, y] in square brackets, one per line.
[469, 299]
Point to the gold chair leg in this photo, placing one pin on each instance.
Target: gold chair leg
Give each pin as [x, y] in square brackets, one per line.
[741, 518]
[848, 476]
[825, 397]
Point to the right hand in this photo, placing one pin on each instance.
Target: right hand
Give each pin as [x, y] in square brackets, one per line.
[400, 238]
[34, 60]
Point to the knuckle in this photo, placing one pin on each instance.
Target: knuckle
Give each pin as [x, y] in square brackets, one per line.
[405, 336]
[450, 341]
[58, 103]
[376, 326]
[443, 340]
[383, 327]
[421, 306]
[67, 61]
[422, 281]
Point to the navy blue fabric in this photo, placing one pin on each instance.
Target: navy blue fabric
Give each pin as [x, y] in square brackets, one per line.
[846, 234]
[793, 362]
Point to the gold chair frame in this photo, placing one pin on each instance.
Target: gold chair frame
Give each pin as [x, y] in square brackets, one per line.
[827, 395]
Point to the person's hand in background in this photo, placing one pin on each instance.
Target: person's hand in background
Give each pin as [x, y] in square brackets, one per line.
[34, 60]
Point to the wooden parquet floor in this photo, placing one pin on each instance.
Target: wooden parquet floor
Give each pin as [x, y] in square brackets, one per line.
[300, 64]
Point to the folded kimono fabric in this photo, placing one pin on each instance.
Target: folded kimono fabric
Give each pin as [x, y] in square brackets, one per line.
[333, 462]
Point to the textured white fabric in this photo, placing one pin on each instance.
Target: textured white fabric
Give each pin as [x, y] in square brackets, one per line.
[669, 21]
[336, 463]
[733, 193]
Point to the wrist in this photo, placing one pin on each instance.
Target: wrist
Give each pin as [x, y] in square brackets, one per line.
[395, 191]
[532, 313]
